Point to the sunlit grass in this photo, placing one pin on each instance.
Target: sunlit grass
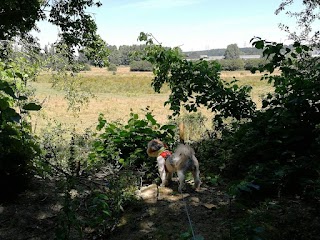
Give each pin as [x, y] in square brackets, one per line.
[117, 94]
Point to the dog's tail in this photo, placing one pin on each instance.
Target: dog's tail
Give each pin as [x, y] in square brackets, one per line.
[184, 150]
[181, 132]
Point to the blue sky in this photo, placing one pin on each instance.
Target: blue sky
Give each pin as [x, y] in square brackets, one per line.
[190, 24]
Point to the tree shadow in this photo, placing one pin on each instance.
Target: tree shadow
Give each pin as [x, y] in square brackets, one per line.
[164, 213]
[33, 215]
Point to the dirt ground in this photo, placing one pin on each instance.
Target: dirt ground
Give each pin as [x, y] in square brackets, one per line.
[33, 215]
[165, 214]
[161, 213]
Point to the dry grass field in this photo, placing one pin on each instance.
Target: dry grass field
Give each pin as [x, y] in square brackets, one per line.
[115, 95]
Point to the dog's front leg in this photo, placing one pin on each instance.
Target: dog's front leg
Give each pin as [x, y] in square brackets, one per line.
[162, 171]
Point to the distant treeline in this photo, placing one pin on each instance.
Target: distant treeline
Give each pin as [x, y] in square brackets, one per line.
[221, 51]
[123, 54]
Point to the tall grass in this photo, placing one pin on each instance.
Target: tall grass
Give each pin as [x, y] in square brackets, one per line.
[117, 94]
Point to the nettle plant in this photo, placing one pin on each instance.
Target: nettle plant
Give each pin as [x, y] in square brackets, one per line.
[124, 145]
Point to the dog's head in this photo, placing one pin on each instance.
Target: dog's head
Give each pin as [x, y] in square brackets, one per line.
[154, 146]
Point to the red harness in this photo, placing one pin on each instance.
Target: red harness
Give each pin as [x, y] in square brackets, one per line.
[165, 154]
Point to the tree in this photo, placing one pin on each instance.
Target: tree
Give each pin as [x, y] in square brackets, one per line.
[18, 147]
[304, 19]
[286, 158]
[78, 28]
[114, 56]
[196, 83]
[18, 17]
[232, 52]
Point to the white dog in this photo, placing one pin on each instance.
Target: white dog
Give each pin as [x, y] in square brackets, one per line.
[181, 161]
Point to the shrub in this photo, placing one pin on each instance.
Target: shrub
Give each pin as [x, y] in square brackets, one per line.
[112, 67]
[142, 66]
[17, 146]
[125, 145]
[278, 150]
[86, 67]
[231, 64]
[254, 63]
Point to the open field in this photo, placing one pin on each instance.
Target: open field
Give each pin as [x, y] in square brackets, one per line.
[115, 95]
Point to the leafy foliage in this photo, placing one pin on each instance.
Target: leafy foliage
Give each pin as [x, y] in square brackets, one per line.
[112, 67]
[96, 50]
[221, 52]
[232, 52]
[17, 146]
[254, 63]
[78, 28]
[196, 83]
[140, 66]
[231, 64]
[18, 17]
[125, 145]
[306, 20]
[285, 159]
[91, 210]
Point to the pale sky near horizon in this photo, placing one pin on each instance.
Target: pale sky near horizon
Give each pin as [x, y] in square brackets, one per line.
[191, 24]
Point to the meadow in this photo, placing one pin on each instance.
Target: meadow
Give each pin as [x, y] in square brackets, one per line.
[115, 94]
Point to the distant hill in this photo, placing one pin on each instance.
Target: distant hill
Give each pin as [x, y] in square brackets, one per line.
[220, 52]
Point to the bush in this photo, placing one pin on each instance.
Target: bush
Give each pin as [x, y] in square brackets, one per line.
[124, 146]
[278, 150]
[254, 63]
[231, 64]
[17, 146]
[85, 67]
[141, 66]
[112, 67]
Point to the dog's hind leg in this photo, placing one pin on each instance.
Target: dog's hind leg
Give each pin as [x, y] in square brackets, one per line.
[169, 176]
[181, 179]
[196, 173]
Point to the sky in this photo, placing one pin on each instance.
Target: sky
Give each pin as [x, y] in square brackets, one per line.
[190, 24]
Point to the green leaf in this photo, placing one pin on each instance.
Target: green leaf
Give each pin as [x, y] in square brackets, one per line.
[122, 161]
[100, 148]
[4, 86]
[151, 119]
[4, 104]
[32, 107]
[11, 115]
[296, 44]
[293, 55]
[299, 50]
[305, 48]
[22, 98]
[259, 44]
[167, 127]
